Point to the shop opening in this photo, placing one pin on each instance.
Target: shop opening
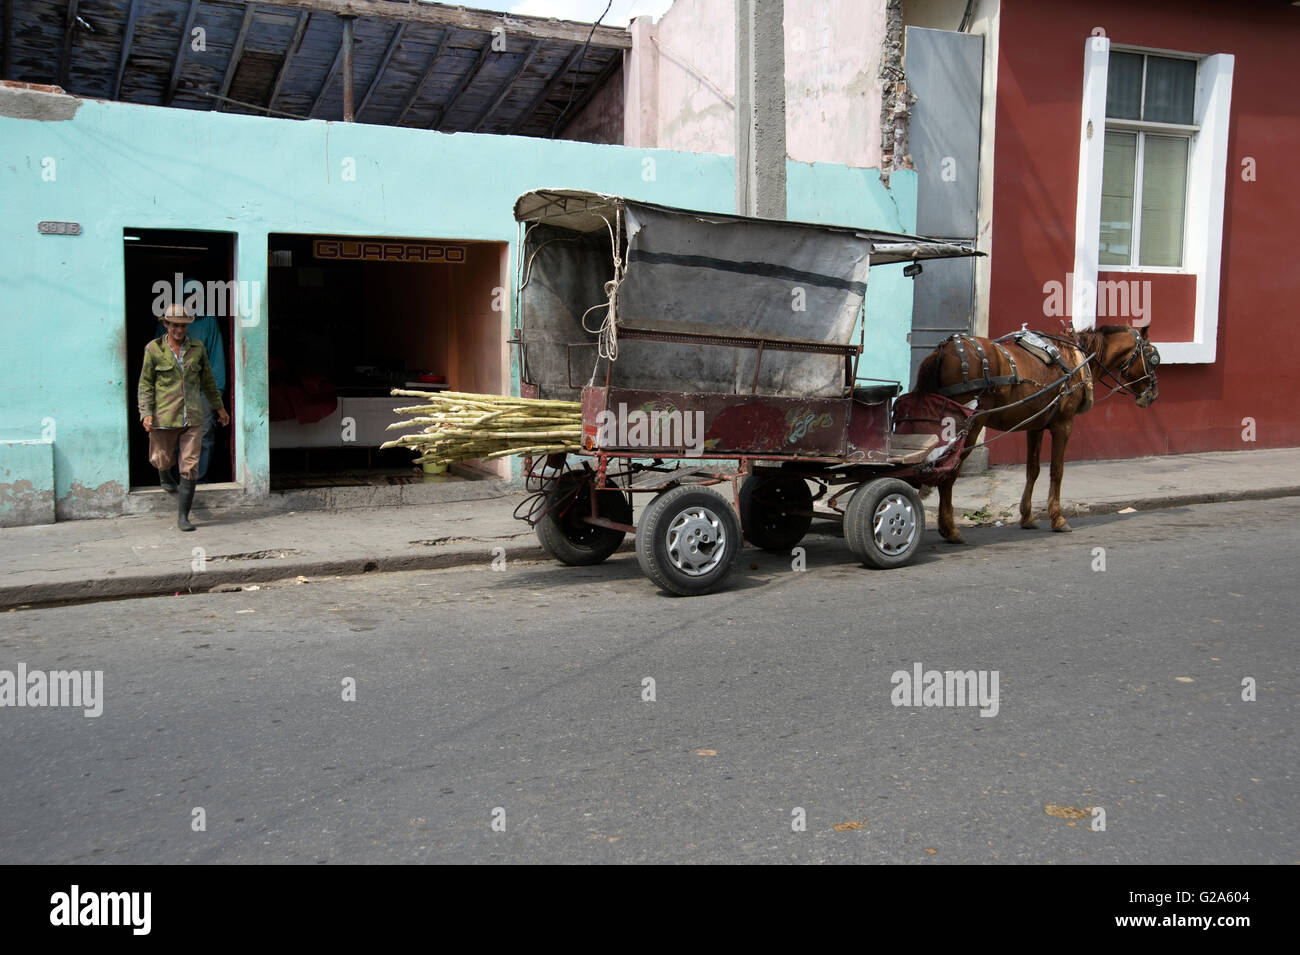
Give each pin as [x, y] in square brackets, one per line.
[199, 267]
[352, 318]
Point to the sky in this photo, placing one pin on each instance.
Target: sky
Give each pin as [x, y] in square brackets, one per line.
[620, 13]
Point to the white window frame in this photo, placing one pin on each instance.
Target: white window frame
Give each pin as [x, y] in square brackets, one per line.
[1203, 209]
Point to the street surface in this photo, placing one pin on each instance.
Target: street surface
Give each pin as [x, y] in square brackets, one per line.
[516, 697]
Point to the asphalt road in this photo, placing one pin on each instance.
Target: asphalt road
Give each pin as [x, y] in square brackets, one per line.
[521, 690]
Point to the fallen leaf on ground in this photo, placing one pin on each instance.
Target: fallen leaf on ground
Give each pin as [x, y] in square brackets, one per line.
[1065, 812]
[1184, 679]
[706, 752]
[933, 852]
[245, 611]
[851, 826]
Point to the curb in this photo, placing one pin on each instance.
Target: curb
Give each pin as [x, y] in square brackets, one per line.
[157, 585]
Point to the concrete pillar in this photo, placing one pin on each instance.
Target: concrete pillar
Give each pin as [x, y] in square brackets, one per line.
[760, 108]
[641, 72]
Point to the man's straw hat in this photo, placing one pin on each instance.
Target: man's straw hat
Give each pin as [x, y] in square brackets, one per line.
[178, 314]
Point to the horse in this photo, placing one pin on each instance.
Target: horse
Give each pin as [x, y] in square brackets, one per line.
[1020, 386]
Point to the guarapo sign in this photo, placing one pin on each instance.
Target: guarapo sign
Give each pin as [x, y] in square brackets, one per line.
[369, 250]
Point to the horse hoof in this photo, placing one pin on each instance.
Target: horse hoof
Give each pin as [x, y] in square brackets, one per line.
[954, 538]
[1029, 525]
[1062, 528]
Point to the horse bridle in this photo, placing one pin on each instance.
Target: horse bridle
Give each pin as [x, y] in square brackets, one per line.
[1150, 362]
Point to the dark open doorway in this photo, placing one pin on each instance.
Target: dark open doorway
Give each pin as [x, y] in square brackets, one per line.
[153, 257]
[352, 318]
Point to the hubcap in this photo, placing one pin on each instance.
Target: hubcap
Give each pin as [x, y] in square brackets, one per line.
[894, 526]
[696, 541]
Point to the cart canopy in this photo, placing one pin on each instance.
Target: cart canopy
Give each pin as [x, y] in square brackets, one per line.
[673, 272]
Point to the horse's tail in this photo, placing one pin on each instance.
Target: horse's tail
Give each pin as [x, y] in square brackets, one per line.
[927, 376]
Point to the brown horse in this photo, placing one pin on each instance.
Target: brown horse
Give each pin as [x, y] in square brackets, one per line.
[1017, 390]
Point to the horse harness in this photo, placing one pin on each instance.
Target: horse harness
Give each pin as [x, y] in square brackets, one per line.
[985, 382]
[1039, 347]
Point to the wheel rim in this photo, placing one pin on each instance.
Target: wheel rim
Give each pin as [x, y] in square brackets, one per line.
[894, 525]
[696, 541]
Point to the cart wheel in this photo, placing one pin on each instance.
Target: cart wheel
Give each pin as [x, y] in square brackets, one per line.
[571, 540]
[687, 540]
[775, 510]
[884, 523]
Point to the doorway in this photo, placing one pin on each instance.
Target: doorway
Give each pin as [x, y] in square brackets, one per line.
[202, 264]
[351, 318]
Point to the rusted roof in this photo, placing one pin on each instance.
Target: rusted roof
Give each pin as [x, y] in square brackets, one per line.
[415, 64]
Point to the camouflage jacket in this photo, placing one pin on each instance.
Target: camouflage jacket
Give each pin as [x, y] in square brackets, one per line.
[172, 398]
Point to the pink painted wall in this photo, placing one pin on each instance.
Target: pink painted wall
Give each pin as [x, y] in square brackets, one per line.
[681, 80]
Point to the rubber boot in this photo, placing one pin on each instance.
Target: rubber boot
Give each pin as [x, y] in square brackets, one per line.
[167, 481]
[184, 499]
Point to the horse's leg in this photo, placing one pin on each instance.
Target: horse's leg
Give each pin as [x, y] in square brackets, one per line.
[1035, 445]
[1060, 436]
[947, 524]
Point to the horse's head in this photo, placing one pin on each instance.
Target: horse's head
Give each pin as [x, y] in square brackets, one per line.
[1127, 355]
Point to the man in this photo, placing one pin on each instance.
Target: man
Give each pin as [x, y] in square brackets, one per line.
[207, 330]
[174, 375]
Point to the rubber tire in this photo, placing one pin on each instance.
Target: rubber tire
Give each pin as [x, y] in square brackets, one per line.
[652, 544]
[778, 531]
[574, 542]
[859, 518]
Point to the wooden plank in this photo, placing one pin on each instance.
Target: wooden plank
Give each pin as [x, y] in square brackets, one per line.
[393, 44]
[506, 88]
[180, 52]
[483, 21]
[69, 34]
[294, 43]
[127, 32]
[235, 53]
[424, 78]
[463, 84]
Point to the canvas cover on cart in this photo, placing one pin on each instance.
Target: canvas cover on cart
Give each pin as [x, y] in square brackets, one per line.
[696, 273]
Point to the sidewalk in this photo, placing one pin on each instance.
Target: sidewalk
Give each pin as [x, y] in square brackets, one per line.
[144, 555]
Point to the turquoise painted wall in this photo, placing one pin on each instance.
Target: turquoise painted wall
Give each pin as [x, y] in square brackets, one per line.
[112, 166]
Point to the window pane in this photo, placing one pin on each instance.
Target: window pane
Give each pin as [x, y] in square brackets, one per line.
[1119, 160]
[1124, 85]
[1171, 90]
[1164, 193]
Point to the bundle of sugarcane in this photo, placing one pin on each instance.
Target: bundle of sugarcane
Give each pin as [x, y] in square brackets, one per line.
[454, 426]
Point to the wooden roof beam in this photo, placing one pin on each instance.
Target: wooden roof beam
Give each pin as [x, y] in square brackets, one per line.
[127, 32]
[393, 44]
[180, 53]
[545, 94]
[463, 84]
[8, 41]
[595, 87]
[506, 88]
[329, 78]
[482, 21]
[69, 34]
[236, 52]
[294, 43]
[424, 78]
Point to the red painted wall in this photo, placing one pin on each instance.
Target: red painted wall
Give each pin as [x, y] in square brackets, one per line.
[1040, 84]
